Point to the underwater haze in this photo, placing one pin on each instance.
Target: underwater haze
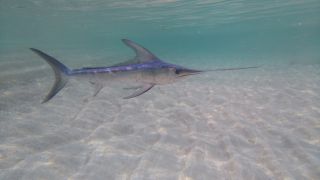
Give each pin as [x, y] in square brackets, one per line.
[261, 123]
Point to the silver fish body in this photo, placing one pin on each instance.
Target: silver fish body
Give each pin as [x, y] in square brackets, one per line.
[146, 70]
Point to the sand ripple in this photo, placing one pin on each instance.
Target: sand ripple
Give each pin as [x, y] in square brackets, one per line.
[259, 124]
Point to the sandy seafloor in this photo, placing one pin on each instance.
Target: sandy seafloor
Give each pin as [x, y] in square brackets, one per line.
[254, 124]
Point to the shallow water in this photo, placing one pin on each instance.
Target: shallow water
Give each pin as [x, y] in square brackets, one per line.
[252, 124]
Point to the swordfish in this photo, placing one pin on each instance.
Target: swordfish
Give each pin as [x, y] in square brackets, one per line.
[145, 69]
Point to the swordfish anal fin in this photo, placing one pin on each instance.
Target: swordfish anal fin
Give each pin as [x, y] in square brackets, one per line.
[142, 54]
[140, 91]
[97, 88]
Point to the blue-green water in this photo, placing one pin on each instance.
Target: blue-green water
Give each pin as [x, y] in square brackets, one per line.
[201, 31]
[258, 123]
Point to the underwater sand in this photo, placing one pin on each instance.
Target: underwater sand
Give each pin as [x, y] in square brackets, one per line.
[254, 124]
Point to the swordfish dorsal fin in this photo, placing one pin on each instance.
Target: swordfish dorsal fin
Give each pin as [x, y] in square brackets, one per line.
[142, 54]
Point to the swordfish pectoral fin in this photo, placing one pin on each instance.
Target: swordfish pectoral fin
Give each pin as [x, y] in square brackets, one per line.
[132, 87]
[140, 91]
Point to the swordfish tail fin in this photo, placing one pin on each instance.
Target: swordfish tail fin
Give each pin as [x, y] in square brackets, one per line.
[61, 73]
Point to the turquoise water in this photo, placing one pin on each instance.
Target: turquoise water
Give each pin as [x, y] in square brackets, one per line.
[258, 123]
[197, 31]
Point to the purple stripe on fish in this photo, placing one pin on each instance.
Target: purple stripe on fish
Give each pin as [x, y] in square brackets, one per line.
[115, 69]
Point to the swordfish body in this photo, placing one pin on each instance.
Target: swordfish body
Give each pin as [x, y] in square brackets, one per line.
[145, 69]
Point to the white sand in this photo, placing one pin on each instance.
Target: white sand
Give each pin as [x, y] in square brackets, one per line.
[254, 124]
